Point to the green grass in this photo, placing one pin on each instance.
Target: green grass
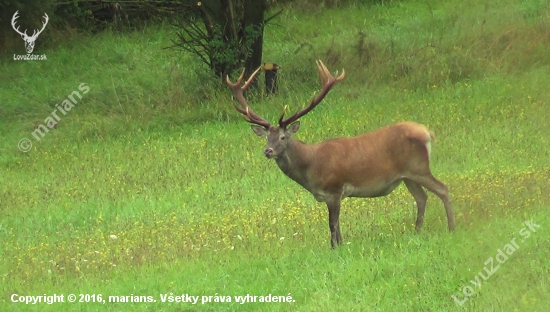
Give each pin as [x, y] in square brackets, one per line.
[152, 184]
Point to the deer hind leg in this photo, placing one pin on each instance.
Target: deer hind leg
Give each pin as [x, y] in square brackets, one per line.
[420, 197]
[334, 222]
[440, 189]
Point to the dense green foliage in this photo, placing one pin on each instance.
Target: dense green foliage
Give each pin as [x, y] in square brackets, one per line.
[152, 184]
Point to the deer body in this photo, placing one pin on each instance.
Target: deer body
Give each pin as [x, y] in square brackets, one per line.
[331, 167]
[369, 165]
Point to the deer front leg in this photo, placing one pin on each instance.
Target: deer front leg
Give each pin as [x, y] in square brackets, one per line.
[334, 222]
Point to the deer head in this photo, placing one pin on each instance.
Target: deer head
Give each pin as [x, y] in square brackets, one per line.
[279, 136]
[29, 40]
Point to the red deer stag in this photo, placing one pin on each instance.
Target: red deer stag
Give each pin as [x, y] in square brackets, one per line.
[369, 165]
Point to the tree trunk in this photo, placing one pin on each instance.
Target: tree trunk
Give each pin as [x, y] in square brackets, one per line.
[254, 16]
[235, 33]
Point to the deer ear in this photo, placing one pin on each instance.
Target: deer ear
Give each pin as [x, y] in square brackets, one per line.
[294, 127]
[260, 131]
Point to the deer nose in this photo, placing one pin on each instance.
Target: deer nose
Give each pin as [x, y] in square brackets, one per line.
[268, 152]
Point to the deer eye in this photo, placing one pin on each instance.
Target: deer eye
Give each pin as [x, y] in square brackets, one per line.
[282, 137]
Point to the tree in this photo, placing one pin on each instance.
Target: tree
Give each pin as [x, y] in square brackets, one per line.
[224, 34]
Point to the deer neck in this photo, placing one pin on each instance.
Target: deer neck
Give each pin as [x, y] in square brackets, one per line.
[295, 161]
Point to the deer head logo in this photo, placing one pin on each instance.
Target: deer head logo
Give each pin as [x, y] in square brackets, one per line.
[29, 40]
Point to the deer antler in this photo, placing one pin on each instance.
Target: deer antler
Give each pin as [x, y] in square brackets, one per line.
[24, 34]
[245, 109]
[327, 80]
[43, 26]
[13, 25]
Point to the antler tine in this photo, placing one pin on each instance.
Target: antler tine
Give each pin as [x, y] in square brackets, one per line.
[283, 114]
[245, 109]
[15, 16]
[237, 84]
[324, 73]
[43, 25]
[251, 79]
[327, 81]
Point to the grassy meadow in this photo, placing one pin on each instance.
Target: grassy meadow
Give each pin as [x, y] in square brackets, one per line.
[153, 185]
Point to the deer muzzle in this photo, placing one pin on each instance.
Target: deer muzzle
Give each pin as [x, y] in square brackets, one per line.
[268, 152]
